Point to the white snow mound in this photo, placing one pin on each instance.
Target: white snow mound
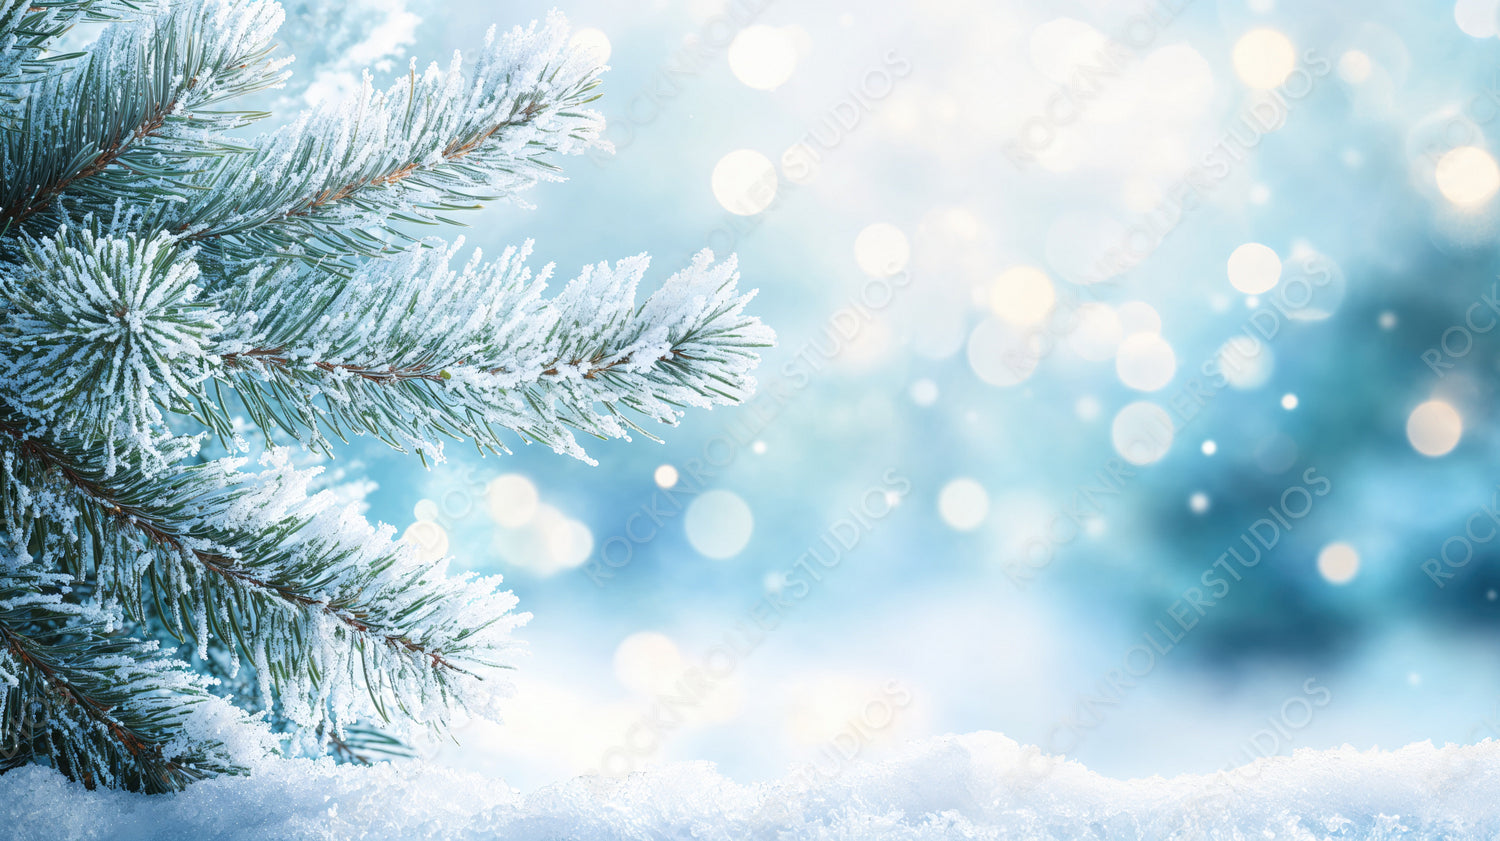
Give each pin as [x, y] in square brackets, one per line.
[981, 786]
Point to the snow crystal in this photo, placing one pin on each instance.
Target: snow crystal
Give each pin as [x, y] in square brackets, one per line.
[981, 785]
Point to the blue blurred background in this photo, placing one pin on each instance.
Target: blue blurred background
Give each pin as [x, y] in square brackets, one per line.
[1070, 295]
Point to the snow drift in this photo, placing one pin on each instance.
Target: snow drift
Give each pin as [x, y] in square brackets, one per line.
[981, 785]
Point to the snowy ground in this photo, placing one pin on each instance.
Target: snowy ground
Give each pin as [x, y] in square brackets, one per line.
[977, 786]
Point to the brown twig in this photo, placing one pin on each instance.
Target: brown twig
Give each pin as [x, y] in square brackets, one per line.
[109, 154]
[455, 150]
[276, 357]
[138, 747]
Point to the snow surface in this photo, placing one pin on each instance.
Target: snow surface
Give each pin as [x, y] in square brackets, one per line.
[981, 785]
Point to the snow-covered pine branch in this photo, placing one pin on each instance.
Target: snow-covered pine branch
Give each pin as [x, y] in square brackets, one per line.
[340, 621]
[412, 351]
[29, 29]
[105, 334]
[340, 180]
[135, 119]
[104, 708]
[100, 334]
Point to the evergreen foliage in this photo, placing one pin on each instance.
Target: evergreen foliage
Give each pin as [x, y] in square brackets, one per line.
[169, 279]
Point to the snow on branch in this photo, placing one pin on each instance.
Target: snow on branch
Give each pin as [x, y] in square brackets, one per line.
[411, 351]
[107, 709]
[100, 333]
[29, 28]
[338, 180]
[340, 622]
[105, 334]
[134, 120]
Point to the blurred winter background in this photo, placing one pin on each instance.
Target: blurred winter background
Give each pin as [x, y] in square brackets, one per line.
[1073, 298]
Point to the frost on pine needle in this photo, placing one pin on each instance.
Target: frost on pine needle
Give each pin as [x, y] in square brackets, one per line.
[136, 116]
[412, 351]
[341, 179]
[109, 709]
[103, 332]
[171, 288]
[29, 28]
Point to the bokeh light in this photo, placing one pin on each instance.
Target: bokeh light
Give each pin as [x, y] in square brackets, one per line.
[665, 476]
[744, 182]
[1245, 362]
[1142, 432]
[593, 40]
[1097, 333]
[1254, 268]
[1354, 67]
[1022, 295]
[1467, 176]
[963, 504]
[1338, 563]
[1434, 428]
[430, 539]
[648, 662]
[1002, 354]
[719, 524]
[1264, 58]
[512, 500]
[1139, 317]
[1146, 362]
[924, 392]
[1477, 18]
[426, 510]
[763, 57]
[881, 250]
